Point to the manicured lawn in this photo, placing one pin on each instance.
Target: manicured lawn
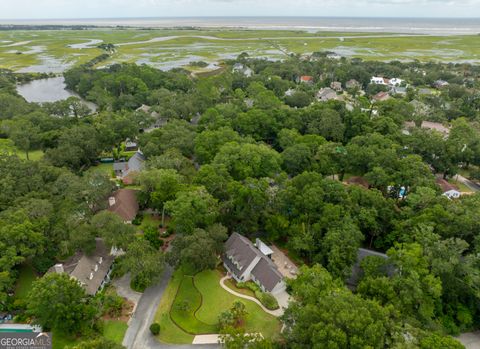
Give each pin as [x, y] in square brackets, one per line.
[217, 300]
[24, 283]
[205, 288]
[189, 297]
[102, 168]
[169, 332]
[114, 330]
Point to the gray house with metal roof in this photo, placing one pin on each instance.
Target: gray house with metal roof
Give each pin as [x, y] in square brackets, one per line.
[133, 165]
[246, 262]
[91, 271]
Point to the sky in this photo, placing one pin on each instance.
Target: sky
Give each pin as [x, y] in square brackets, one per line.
[42, 9]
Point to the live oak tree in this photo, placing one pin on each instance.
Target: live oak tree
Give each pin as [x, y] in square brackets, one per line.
[159, 186]
[58, 302]
[112, 229]
[208, 142]
[324, 311]
[248, 160]
[193, 208]
[143, 262]
[199, 250]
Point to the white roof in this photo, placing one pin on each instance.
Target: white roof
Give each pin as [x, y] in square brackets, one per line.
[263, 247]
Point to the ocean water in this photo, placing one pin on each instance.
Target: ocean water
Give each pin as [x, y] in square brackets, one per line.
[435, 26]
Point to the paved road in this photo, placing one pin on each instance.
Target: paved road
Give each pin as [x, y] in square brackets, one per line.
[473, 186]
[470, 340]
[138, 335]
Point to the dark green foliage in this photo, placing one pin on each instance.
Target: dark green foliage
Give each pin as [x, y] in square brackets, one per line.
[57, 301]
[267, 300]
[155, 329]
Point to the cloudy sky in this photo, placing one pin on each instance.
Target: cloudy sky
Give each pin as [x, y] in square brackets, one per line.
[21, 9]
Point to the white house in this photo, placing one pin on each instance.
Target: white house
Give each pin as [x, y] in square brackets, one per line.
[242, 69]
[377, 80]
[245, 262]
[395, 82]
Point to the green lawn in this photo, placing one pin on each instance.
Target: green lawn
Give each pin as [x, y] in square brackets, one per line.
[24, 282]
[169, 332]
[185, 318]
[102, 168]
[206, 289]
[217, 300]
[114, 330]
[6, 145]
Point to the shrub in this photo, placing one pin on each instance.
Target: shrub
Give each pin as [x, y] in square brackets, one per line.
[267, 300]
[112, 305]
[138, 219]
[155, 329]
[152, 235]
[166, 233]
[248, 285]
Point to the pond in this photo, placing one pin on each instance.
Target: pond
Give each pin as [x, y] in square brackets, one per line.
[49, 90]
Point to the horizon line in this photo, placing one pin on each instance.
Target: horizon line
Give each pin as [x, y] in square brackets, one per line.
[231, 16]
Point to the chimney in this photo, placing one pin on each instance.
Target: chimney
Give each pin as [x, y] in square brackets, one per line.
[91, 276]
[59, 268]
[111, 201]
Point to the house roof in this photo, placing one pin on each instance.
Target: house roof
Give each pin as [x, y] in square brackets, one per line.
[357, 271]
[124, 204]
[135, 163]
[357, 180]
[267, 274]
[101, 260]
[130, 144]
[381, 96]
[263, 247]
[120, 166]
[326, 94]
[243, 252]
[435, 126]
[352, 83]
[445, 186]
[306, 78]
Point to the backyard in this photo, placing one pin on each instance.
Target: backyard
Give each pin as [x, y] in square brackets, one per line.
[26, 277]
[191, 306]
[7, 146]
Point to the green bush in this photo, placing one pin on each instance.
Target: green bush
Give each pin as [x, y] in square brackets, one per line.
[112, 304]
[155, 329]
[267, 300]
[166, 233]
[152, 235]
[138, 219]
